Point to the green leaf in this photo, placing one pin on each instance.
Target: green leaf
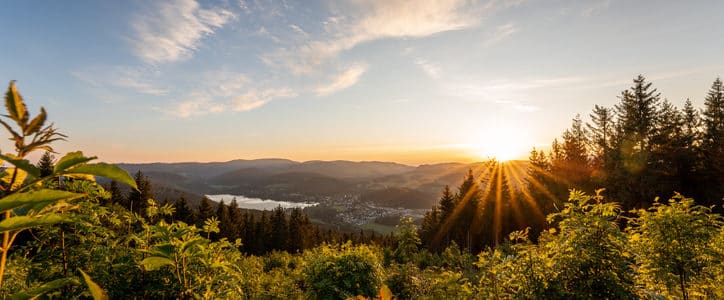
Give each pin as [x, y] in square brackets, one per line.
[19, 175]
[152, 263]
[96, 291]
[36, 123]
[47, 287]
[15, 105]
[33, 197]
[103, 170]
[71, 159]
[22, 164]
[22, 222]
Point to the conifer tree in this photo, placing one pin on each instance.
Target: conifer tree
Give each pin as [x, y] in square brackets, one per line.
[234, 221]
[296, 231]
[117, 197]
[46, 164]
[575, 156]
[637, 119]
[138, 199]
[278, 229]
[206, 209]
[637, 113]
[601, 132]
[712, 145]
[249, 243]
[222, 212]
[183, 212]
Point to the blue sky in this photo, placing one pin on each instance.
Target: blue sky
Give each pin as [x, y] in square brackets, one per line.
[409, 81]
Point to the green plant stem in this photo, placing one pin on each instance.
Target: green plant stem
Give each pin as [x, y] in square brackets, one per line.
[6, 247]
[6, 235]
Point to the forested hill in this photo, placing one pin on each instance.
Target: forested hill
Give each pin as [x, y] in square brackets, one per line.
[283, 179]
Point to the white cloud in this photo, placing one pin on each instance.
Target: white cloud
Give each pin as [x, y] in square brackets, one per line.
[140, 79]
[195, 107]
[172, 31]
[299, 30]
[376, 20]
[256, 98]
[224, 91]
[501, 32]
[343, 80]
[429, 68]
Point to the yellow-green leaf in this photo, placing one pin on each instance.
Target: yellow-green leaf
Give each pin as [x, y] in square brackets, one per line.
[96, 291]
[15, 105]
[36, 123]
[152, 263]
[103, 170]
[45, 195]
[71, 159]
[19, 178]
[22, 164]
[23, 222]
[47, 287]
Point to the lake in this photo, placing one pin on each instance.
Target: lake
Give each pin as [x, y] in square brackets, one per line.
[256, 203]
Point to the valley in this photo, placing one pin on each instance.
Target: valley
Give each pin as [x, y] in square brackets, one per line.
[354, 195]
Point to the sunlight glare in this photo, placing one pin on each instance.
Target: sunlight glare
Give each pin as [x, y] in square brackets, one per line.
[502, 142]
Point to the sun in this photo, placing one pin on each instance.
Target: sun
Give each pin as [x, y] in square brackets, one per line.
[503, 142]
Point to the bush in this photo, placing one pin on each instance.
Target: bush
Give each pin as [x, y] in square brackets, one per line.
[339, 272]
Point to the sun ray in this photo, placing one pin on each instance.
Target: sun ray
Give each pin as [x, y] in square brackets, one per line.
[447, 223]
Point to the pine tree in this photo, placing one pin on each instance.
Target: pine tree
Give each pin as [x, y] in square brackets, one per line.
[234, 222]
[46, 164]
[249, 243]
[206, 210]
[637, 119]
[668, 150]
[278, 229]
[637, 113]
[117, 197]
[468, 204]
[183, 212]
[601, 132]
[712, 145]
[429, 229]
[575, 156]
[296, 231]
[222, 212]
[138, 199]
[261, 235]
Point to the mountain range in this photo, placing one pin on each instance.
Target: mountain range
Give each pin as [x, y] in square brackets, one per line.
[382, 183]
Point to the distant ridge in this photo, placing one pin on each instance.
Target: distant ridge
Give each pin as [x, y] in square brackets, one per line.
[287, 180]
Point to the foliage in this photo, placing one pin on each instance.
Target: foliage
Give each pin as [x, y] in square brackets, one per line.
[339, 272]
[26, 203]
[672, 244]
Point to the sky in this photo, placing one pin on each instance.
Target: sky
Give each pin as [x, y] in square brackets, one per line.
[408, 81]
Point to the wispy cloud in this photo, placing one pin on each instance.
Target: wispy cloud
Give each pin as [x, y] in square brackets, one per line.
[224, 91]
[501, 32]
[196, 106]
[299, 30]
[343, 80]
[256, 98]
[139, 79]
[374, 20]
[172, 31]
[429, 68]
